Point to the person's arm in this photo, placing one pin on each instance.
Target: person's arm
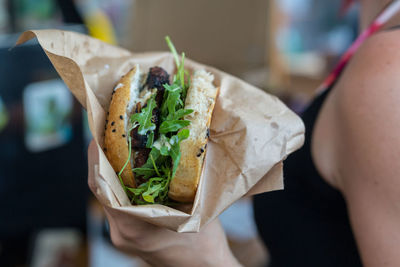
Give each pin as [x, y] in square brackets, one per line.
[162, 247]
[366, 147]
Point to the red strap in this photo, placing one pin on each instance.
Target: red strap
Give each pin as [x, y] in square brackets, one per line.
[386, 14]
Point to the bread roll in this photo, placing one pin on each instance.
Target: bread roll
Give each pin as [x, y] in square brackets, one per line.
[201, 98]
[124, 97]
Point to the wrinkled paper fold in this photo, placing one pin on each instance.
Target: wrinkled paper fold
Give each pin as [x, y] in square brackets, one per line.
[251, 132]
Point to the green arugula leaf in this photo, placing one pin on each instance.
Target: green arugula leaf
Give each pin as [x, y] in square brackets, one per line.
[173, 88]
[135, 191]
[172, 98]
[152, 189]
[181, 71]
[145, 172]
[145, 116]
[150, 139]
[126, 162]
[162, 144]
[154, 154]
[154, 165]
[180, 74]
[173, 50]
[175, 148]
[148, 198]
[183, 134]
[176, 158]
[164, 150]
[173, 126]
[179, 114]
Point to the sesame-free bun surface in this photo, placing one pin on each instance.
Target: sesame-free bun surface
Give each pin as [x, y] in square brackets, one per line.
[116, 140]
[201, 98]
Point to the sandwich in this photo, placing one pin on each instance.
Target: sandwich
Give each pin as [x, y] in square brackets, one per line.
[157, 129]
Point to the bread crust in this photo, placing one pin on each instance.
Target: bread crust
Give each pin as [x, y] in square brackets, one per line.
[116, 139]
[201, 98]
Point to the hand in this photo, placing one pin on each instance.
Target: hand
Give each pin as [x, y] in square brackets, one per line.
[162, 247]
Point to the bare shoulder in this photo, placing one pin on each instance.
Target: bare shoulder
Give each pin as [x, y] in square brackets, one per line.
[373, 73]
[366, 112]
[363, 117]
[361, 112]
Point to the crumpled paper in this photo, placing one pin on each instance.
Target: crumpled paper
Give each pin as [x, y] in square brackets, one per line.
[251, 132]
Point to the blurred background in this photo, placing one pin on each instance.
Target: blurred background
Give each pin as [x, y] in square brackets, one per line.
[48, 216]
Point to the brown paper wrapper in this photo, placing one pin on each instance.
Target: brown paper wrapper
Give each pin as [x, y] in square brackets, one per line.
[251, 133]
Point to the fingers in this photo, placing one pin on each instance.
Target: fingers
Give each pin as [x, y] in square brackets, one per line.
[162, 247]
[128, 233]
[118, 234]
[159, 246]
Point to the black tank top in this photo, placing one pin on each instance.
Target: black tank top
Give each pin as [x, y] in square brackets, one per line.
[307, 223]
